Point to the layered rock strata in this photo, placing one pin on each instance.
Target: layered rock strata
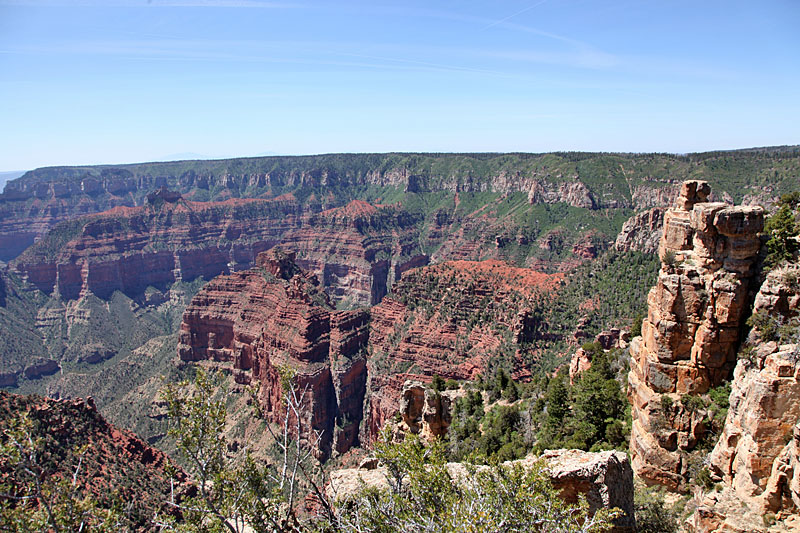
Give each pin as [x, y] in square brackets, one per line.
[356, 250]
[275, 318]
[691, 333]
[450, 320]
[605, 479]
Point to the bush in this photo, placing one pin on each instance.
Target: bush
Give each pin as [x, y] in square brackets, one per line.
[782, 230]
[666, 403]
[703, 479]
[652, 515]
[692, 403]
[424, 495]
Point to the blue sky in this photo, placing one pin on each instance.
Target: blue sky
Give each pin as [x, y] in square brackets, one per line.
[91, 81]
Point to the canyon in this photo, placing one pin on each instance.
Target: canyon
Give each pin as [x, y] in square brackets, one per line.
[357, 250]
[449, 320]
[361, 284]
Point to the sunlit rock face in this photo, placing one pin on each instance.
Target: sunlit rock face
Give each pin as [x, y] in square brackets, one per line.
[692, 330]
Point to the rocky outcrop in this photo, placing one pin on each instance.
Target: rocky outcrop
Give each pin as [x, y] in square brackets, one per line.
[691, 333]
[641, 232]
[756, 458]
[424, 411]
[576, 194]
[580, 361]
[262, 322]
[41, 367]
[605, 479]
[449, 320]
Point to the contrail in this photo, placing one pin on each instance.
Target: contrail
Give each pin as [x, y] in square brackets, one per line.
[495, 23]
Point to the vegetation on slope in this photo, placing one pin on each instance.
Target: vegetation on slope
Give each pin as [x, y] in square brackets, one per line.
[603, 173]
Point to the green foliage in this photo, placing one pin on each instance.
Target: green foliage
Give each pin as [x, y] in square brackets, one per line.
[703, 479]
[233, 493]
[775, 327]
[692, 402]
[783, 232]
[666, 403]
[424, 495]
[32, 498]
[652, 513]
[589, 415]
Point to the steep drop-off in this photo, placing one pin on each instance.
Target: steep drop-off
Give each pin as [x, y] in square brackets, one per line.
[456, 320]
[114, 464]
[692, 330]
[356, 250]
[36, 202]
[757, 458]
[275, 318]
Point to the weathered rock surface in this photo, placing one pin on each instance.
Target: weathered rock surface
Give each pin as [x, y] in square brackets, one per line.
[691, 333]
[448, 320]
[610, 339]
[604, 478]
[642, 232]
[425, 412]
[260, 321]
[757, 457]
[578, 364]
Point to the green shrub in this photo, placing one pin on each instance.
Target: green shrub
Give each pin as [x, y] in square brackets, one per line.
[652, 514]
[782, 230]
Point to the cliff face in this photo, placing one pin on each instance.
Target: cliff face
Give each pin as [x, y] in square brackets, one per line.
[450, 319]
[691, 332]
[355, 250]
[275, 317]
[358, 250]
[642, 232]
[757, 458]
[447, 319]
[36, 202]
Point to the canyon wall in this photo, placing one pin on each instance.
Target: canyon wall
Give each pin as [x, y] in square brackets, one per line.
[448, 320]
[273, 319]
[691, 333]
[642, 232]
[357, 250]
[36, 202]
[451, 320]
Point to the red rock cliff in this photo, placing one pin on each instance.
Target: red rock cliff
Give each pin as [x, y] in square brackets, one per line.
[450, 319]
[356, 250]
[691, 333]
[274, 316]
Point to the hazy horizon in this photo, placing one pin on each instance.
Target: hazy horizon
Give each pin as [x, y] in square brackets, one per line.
[120, 81]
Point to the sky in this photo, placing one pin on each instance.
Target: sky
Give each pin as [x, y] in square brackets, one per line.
[115, 81]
